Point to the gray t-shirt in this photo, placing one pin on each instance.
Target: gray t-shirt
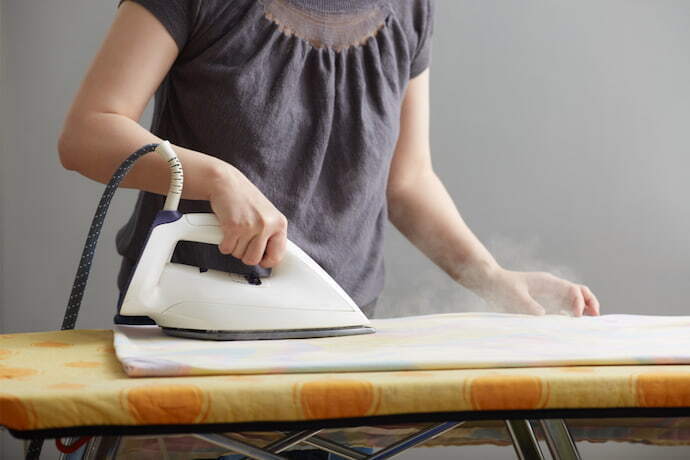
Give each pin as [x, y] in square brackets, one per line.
[303, 97]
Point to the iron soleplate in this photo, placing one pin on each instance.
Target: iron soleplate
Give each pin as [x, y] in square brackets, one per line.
[277, 334]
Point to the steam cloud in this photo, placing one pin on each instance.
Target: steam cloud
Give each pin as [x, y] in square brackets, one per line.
[428, 290]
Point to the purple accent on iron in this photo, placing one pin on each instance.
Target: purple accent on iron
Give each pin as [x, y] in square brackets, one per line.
[165, 217]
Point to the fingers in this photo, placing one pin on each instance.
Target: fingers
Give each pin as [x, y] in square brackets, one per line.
[227, 246]
[275, 249]
[255, 249]
[576, 300]
[591, 302]
[241, 247]
[536, 290]
[263, 245]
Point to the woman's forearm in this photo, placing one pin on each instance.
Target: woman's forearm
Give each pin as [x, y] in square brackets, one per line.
[424, 212]
[94, 144]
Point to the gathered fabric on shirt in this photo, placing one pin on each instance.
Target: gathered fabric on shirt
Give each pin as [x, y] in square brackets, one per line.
[304, 98]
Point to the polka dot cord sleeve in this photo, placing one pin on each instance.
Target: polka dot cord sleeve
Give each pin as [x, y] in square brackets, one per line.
[33, 452]
[87, 254]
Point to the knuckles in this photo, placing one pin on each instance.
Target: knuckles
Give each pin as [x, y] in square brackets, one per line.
[268, 262]
[271, 260]
[224, 248]
[250, 260]
[282, 223]
[259, 224]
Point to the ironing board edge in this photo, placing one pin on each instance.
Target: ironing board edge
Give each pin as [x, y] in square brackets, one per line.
[124, 430]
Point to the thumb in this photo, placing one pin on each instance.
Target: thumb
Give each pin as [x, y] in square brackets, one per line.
[531, 306]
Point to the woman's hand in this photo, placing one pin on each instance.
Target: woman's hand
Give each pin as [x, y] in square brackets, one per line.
[537, 293]
[254, 231]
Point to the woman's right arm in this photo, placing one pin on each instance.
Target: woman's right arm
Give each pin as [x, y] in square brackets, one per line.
[102, 129]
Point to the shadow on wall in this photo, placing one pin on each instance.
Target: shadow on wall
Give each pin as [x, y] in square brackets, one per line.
[430, 291]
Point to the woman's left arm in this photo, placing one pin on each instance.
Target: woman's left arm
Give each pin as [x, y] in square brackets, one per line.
[421, 208]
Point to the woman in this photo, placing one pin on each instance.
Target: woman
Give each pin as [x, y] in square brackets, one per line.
[312, 113]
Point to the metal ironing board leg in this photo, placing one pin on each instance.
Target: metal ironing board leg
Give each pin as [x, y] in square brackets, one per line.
[335, 448]
[561, 444]
[106, 448]
[61, 455]
[524, 441]
[291, 440]
[91, 449]
[308, 437]
[238, 446]
[558, 438]
[288, 441]
[414, 440]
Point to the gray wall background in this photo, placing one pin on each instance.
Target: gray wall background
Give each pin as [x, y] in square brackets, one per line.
[560, 128]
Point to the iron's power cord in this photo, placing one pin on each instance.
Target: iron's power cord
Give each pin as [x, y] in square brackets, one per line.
[74, 303]
[82, 276]
[77, 294]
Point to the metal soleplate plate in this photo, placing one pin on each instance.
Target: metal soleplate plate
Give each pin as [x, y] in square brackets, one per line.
[278, 334]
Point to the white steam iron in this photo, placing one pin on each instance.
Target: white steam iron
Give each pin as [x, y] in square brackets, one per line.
[298, 300]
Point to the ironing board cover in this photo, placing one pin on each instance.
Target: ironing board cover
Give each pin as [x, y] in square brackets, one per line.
[65, 379]
[446, 341]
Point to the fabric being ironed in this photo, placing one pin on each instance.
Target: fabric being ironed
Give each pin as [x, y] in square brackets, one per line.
[303, 97]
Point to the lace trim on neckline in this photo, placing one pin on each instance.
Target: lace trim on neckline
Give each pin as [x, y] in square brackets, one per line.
[326, 28]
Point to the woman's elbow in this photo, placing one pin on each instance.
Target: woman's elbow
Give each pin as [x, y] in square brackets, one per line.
[67, 148]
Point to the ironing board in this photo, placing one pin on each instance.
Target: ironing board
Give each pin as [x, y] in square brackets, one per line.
[69, 383]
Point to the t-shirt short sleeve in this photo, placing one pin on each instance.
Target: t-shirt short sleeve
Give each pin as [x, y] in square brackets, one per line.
[177, 16]
[425, 19]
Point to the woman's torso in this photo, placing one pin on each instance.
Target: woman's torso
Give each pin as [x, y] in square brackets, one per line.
[303, 97]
